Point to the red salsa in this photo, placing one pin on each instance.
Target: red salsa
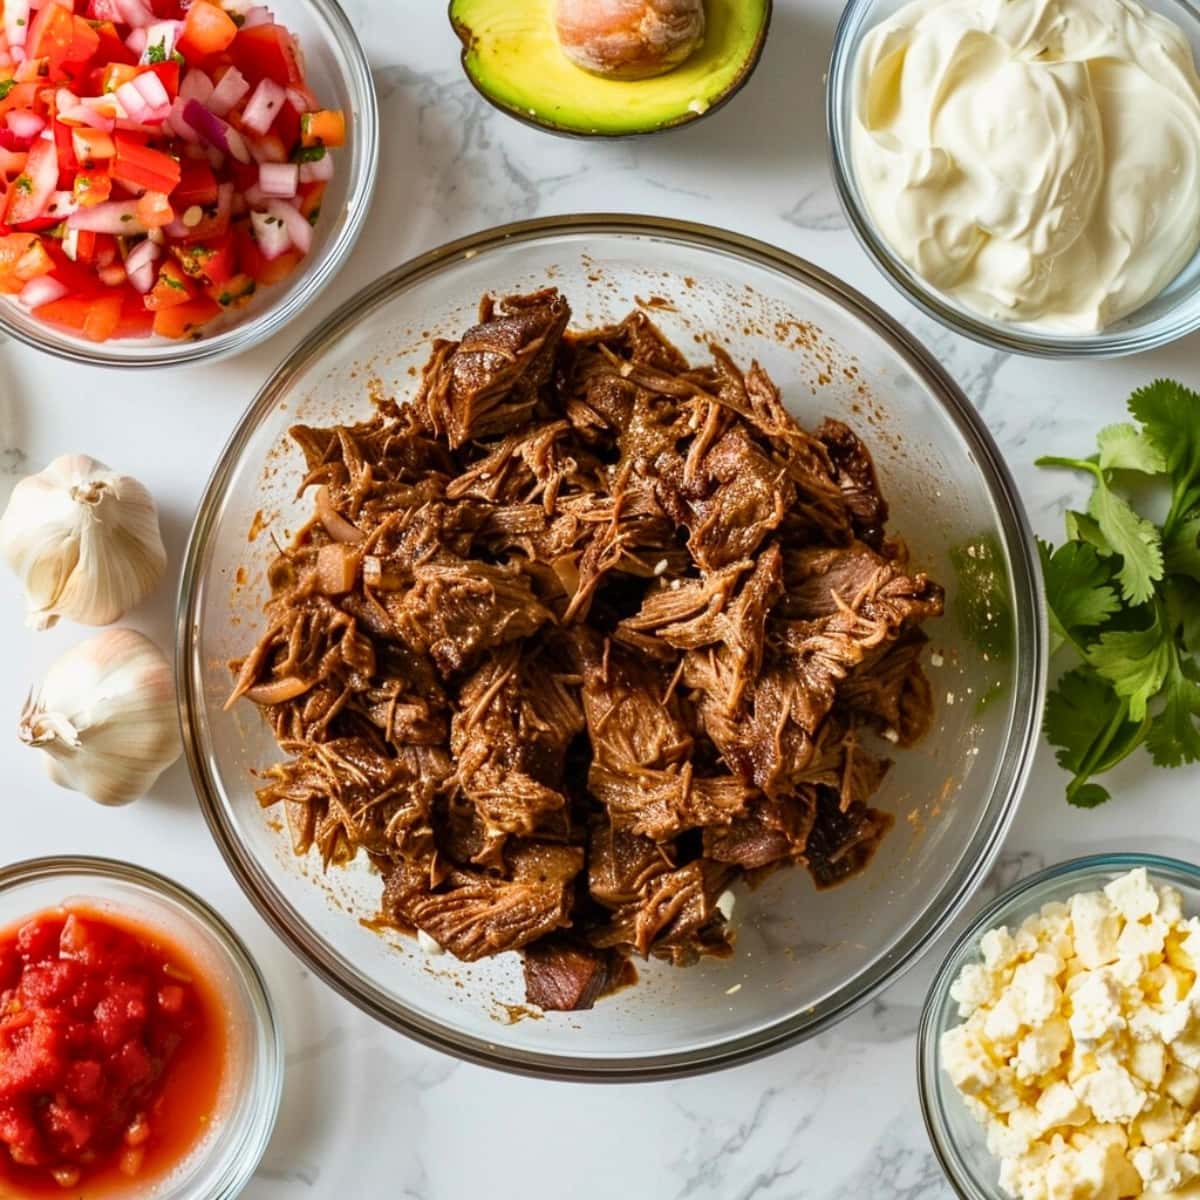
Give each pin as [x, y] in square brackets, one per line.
[112, 1051]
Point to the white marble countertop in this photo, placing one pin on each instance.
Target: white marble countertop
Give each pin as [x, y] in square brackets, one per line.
[367, 1114]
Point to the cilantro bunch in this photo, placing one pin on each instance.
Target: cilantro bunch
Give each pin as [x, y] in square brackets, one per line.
[1124, 596]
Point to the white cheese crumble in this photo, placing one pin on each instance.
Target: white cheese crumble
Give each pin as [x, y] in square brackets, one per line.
[1079, 1047]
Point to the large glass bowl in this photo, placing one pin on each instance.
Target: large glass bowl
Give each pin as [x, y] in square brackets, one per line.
[959, 1141]
[804, 960]
[1172, 314]
[340, 77]
[222, 1162]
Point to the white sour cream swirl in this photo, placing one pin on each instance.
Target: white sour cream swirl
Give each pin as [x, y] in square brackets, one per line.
[1037, 160]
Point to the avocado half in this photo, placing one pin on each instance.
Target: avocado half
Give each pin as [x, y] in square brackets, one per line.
[512, 56]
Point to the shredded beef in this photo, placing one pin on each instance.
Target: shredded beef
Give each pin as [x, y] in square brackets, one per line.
[581, 637]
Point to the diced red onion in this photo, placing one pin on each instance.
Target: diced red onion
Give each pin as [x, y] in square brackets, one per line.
[42, 290]
[133, 103]
[278, 179]
[162, 34]
[152, 90]
[136, 41]
[214, 131]
[112, 276]
[237, 145]
[178, 124]
[263, 106]
[299, 230]
[114, 216]
[134, 12]
[195, 85]
[143, 279]
[61, 205]
[230, 90]
[271, 234]
[16, 22]
[139, 265]
[320, 170]
[258, 14]
[299, 101]
[25, 124]
[70, 243]
[86, 115]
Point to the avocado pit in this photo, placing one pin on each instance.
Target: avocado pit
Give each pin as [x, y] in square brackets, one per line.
[629, 39]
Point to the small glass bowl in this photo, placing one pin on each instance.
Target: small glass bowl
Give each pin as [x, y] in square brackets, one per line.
[1172, 314]
[222, 1164]
[959, 1141]
[340, 76]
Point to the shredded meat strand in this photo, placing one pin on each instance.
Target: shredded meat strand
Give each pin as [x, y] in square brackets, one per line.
[579, 638]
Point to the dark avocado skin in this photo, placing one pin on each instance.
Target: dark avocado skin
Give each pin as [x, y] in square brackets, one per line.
[684, 117]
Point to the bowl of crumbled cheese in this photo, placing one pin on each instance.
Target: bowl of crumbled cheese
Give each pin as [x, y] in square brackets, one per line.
[1059, 1049]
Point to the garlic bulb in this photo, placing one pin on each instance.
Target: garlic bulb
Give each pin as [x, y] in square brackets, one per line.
[105, 719]
[84, 541]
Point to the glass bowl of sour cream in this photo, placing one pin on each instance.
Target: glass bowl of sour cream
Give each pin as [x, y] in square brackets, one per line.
[1026, 172]
[1059, 1045]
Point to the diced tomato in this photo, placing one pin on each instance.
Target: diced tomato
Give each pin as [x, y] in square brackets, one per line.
[64, 146]
[324, 128]
[50, 34]
[311, 195]
[207, 30]
[197, 185]
[106, 250]
[286, 126]
[22, 258]
[265, 270]
[208, 263]
[154, 210]
[20, 95]
[89, 146]
[213, 225]
[91, 188]
[136, 319]
[85, 246]
[168, 74]
[138, 166]
[111, 48]
[167, 10]
[79, 280]
[267, 52]
[29, 193]
[116, 74]
[104, 10]
[172, 287]
[234, 292]
[94, 317]
[185, 319]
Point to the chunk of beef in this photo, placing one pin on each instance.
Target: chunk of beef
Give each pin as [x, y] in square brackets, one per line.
[453, 612]
[492, 380]
[474, 915]
[890, 689]
[621, 863]
[730, 497]
[855, 473]
[661, 804]
[563, 974]
[821, 579]
[772, 830]
[842, 843]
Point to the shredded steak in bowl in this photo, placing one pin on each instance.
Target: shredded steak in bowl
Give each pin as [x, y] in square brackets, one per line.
[582, 650]
[579, 637]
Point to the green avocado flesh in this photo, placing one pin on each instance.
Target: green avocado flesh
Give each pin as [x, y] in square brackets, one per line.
[513, 57]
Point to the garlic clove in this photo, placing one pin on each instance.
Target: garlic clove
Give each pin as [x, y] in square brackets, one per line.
[84, 541]
[105, 718]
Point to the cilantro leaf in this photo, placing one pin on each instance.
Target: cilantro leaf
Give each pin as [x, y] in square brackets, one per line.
[1181, 551]
[1170, 413]
[1135, 539]
[1135, 662]
[1082, 528]
[1183, 612]
[1123, 447]
[1079, 594]
[1089, 725]
[1173, 738]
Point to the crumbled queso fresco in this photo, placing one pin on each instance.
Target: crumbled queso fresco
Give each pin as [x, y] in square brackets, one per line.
[1080, 1046]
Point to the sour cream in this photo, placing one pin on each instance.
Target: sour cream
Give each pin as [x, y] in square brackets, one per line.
[1036, 160]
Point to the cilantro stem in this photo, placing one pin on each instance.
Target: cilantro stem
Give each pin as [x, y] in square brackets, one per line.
[1099, 748]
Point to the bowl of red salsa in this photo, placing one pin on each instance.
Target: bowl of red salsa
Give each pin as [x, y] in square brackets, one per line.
[139, 1055]
[178, 178]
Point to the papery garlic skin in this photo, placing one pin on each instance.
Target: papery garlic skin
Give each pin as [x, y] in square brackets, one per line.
[84, 541]
[105, 718]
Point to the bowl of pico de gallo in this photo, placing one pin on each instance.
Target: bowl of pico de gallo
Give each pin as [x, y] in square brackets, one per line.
[180, 177]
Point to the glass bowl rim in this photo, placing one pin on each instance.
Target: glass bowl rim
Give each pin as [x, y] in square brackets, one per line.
[1014, 764]
[1013, 339]
[256, 1134]
[355, 69]
[1003, 906]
